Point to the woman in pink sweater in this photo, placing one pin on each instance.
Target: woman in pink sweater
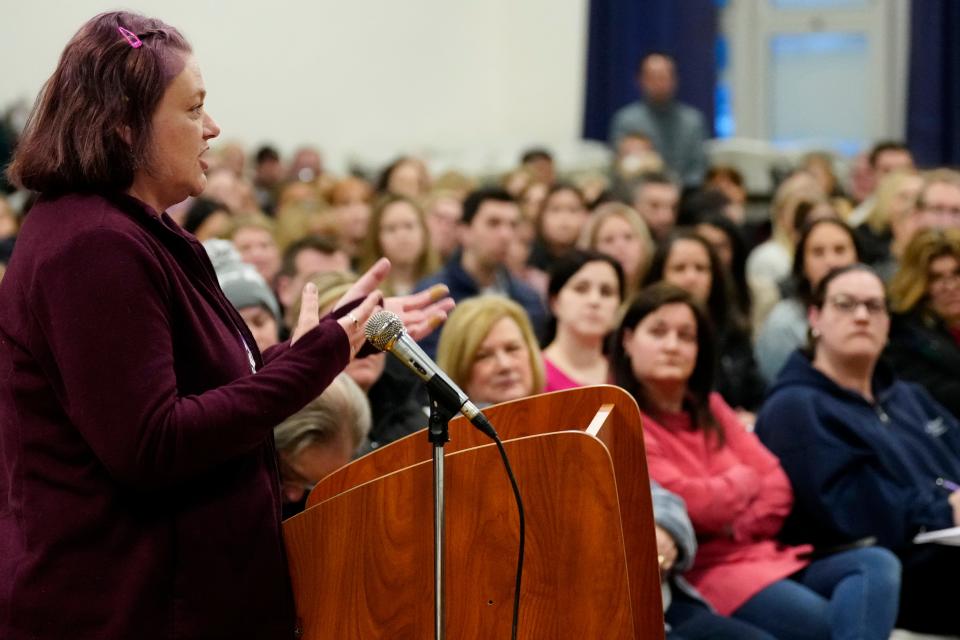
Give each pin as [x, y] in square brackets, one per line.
[736, 493]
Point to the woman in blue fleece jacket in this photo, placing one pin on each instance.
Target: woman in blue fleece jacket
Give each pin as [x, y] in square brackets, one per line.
[864, 450]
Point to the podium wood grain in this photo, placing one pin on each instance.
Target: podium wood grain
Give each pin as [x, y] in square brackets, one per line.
[380, 576]
[606, 412]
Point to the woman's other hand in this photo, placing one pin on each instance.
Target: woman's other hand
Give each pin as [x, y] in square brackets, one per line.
[422, 312]
[364, 288]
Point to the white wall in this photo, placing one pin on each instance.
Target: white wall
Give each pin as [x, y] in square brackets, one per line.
[363, 77]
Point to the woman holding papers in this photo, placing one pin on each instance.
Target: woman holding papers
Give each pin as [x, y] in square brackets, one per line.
[864, 450]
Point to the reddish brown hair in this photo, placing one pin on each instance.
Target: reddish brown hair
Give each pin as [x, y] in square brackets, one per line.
[90, 128]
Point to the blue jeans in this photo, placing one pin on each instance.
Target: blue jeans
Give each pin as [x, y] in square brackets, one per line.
[852, 594]
[690, 619]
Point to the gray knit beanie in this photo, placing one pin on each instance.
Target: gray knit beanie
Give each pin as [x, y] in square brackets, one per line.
[241, 283]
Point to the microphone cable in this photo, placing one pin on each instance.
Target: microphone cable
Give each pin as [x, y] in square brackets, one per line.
[523, 533]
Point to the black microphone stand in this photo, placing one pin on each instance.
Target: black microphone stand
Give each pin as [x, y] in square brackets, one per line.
[444, 405]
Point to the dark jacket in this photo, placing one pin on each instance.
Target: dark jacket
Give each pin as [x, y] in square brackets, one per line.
[857, 468]
[737, 377]
[140, 494]
[462, 286]
[397, 400]
[922, 350]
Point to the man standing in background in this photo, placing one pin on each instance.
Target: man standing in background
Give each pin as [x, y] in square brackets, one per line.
[677, 130]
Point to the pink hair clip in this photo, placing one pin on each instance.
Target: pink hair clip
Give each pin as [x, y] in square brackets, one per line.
[130, 37]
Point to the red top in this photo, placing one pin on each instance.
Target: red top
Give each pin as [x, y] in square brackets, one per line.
[140, 495]
[737, 498]
[955, 333]
[557, 380]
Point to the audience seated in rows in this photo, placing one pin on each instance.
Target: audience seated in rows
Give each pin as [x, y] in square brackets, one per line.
[320, 228]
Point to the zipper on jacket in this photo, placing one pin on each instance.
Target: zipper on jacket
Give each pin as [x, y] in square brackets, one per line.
[884, 418]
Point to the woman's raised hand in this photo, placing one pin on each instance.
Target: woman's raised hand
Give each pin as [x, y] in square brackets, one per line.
[420, 312]
[364, 288]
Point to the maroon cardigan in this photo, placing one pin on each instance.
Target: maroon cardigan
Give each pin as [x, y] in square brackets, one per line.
[139, 493]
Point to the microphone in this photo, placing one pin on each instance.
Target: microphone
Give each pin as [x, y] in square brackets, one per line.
[385, 331]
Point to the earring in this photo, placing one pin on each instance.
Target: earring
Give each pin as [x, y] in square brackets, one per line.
[815, 333]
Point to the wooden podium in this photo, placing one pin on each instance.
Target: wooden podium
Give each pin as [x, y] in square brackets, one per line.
[361, 554]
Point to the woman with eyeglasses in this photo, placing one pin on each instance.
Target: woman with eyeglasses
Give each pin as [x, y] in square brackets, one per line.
[868, 456]
[925, 330]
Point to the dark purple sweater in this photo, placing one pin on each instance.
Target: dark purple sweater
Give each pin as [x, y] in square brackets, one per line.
[139, 495]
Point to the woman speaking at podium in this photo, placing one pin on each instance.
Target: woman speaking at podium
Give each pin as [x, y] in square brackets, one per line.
[140, 495]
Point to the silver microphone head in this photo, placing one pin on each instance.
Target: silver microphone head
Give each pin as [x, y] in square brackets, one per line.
[383, 328]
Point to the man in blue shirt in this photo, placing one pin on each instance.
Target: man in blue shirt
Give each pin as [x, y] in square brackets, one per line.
[487, 229]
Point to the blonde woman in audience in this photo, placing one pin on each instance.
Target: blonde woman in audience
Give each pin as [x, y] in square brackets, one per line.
[398, 231]
[350, 199]
[770, 261]
[618, 231]
[768, 265]
[489, 349]
[319, 439]
[299, 219]
[586, 289]
[517, 180]
[454, 182]
[254, 238]
[230, 154]
[893, 201]
[531, 199]
[925, 330]
[303, 193]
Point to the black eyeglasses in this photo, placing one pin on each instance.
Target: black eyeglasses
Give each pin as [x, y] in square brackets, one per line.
[847, 304]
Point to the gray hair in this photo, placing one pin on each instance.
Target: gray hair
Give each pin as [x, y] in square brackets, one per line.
[342, 405]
